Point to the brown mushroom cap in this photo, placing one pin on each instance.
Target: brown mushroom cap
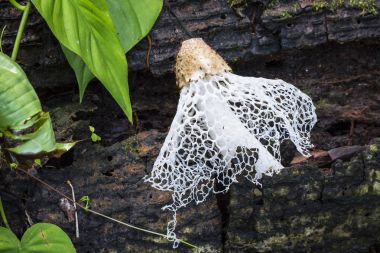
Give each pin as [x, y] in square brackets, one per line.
[196, 60]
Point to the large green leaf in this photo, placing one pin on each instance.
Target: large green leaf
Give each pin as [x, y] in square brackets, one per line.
[46, 238]
[85, 28]
[40, 238]
[24, 127]
[133, 21]
[82, 72]
[18, 100]
[38, 141]
[9, 242]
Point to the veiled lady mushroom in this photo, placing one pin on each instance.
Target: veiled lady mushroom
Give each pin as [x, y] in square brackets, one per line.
[226, 125]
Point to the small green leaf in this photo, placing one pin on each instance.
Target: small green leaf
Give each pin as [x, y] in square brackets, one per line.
[13, 166]
[87, 31]
[38, 162]
[9, 243]
[95, 137]
[86, 200]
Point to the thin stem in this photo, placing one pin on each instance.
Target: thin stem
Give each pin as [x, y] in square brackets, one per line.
[1, 38]
[20, 31]
[2, 213]
[17, 5]
[75, 207]
[100, 214]
[181, 24]
[149, 51]
[140, 229]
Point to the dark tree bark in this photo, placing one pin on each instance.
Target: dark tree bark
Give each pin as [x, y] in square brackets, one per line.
[317, 205]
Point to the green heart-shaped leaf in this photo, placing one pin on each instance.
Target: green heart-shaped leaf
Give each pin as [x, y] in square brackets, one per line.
[82, 72]
[85, 28]
[133, 21]
[40, 238]
[9, 242]
[26, 129]
[18, 100]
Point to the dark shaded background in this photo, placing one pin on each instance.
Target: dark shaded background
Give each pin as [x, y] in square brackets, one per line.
[317, 205]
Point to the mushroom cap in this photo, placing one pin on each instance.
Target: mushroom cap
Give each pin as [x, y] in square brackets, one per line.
[196, 60]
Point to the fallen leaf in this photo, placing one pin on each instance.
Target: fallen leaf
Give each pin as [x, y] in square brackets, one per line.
[345, 152]
[315, 154]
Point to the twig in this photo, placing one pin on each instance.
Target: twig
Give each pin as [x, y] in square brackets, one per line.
[97, 213]
[75, 207]
[2, 213]
[149, 50]
[187, 32]
[1, 38]
[137, 122]
[30, 222]
[352, 132]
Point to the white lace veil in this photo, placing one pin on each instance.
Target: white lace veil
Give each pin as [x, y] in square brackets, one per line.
[227, 125]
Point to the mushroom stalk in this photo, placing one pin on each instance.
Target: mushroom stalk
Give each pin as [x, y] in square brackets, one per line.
[225, 126]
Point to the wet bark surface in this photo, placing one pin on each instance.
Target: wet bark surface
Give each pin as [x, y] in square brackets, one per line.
[315, 205]
[310, 208]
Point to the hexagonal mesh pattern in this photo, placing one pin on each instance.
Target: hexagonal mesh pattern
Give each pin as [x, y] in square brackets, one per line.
[227, 125]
